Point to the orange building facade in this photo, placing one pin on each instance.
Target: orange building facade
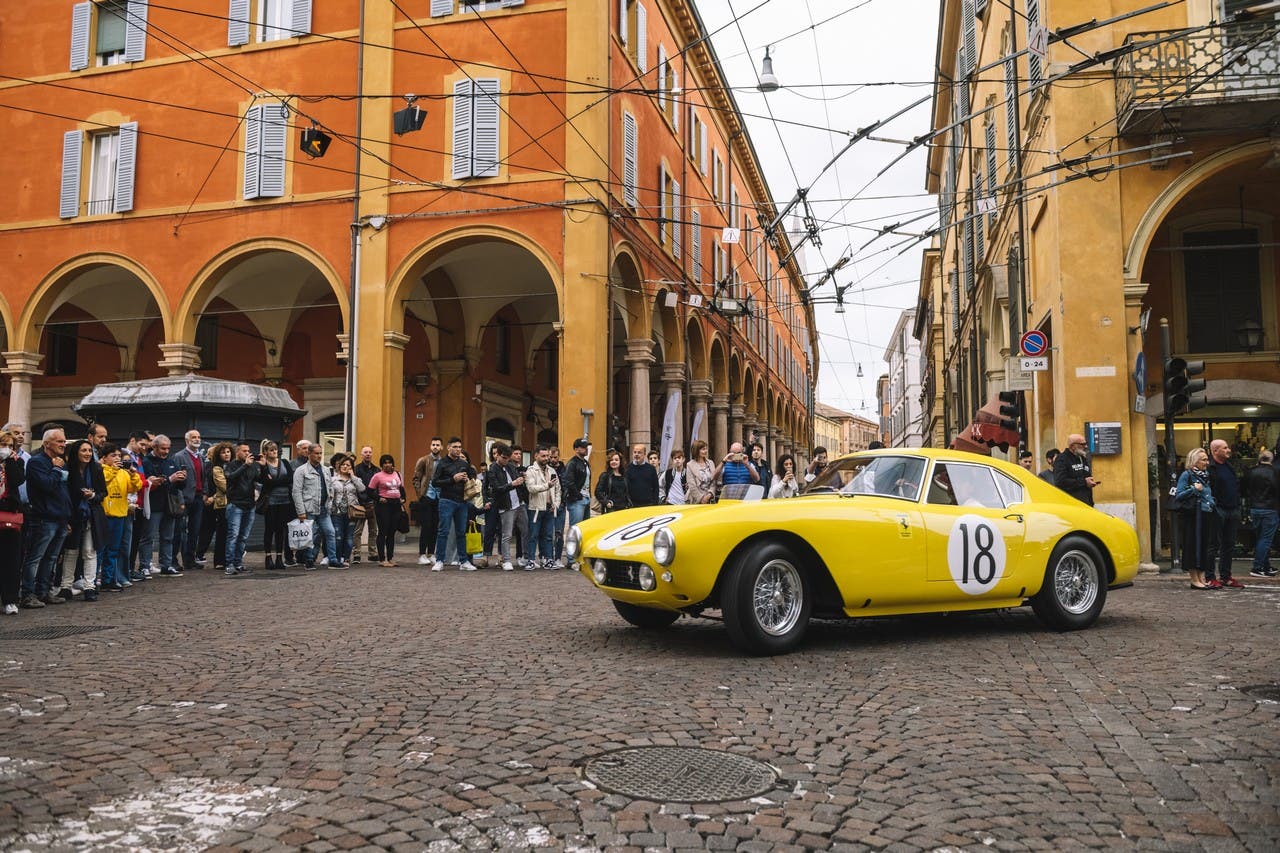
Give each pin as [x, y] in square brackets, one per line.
[541, 260]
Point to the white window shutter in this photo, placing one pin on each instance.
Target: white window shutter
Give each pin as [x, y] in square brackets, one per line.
[81, 17]
[695, 243]
[702, 149]
[485, 127]
[677, 225]
[301, 20]
[72, 147]
[252, 150]
[673, 94]
[662, 77]
[642, 38]
[630, 158]
[664, 215]
[275, 147]
[970, 24]
[126, 160]
[462, 129]
[238, 23]
[135, 31]
[440, 8]
[507, 4]
[622, 20]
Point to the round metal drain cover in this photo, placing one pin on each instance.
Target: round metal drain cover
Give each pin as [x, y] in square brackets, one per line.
[680, 774]
[1266, 692]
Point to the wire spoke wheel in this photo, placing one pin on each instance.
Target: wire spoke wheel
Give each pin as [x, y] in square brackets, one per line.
[1075, 582]
[777, 597]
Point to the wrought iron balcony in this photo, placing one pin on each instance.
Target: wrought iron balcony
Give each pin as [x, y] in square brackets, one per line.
[100, 206]
[1219, 79]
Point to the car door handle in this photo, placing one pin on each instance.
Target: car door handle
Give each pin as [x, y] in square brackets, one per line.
[1015, 516]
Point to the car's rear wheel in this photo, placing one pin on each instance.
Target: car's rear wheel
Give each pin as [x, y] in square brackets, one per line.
[1074, 588]
[766, 600]
[645, 617]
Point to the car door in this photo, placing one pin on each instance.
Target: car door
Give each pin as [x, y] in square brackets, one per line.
[975, 541]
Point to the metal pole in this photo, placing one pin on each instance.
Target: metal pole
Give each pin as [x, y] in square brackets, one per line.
[1170, 451]
[349, 408]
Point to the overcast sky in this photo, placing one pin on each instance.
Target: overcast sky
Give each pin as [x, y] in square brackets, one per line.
[854, 55]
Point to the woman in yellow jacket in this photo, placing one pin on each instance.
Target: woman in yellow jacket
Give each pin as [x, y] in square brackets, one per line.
[121, 482]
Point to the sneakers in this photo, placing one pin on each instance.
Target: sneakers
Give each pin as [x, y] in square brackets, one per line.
[1212, 584]
[11, 610]
[126, 583]
[79, 586]
[554, 565]
[291, 564]
[229, 571]
[137, 577]
[530, 565]
[30, 602]
[424, 559]
[355, 558]
[465, 566]
[1264, 572]
[241, 570]
[170, 573]
[66, 594]
[113, 586]
[1231, 583]
[51, 598]
[437, 566]
[199, 561]
[323, 561]
[90, 595]
[506, 566]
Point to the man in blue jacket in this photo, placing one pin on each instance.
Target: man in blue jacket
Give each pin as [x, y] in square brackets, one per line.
[163, 473]
[50, 516]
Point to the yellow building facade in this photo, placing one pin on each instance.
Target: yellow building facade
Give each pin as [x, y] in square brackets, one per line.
[1094, 170]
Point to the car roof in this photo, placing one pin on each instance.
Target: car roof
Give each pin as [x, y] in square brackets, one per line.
[940, 454]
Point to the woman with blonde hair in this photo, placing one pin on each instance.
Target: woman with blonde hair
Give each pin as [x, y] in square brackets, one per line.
[12, 475]
[699, 475]
[1194, 503]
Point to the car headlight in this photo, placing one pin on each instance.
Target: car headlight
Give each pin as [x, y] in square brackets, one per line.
[664, 546]
[599, 571]
[647, 579]
[573, 543]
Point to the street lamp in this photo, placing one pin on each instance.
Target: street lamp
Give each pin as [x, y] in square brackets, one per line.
[767, 81]
[1249, 335]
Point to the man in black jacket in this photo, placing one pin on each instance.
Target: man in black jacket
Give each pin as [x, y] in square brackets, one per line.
[242, 475]
[365, 469]
[450, 479]
[1226, 516]
[1072, 472]
[642, 479]
[577, 481]
[1262, 488]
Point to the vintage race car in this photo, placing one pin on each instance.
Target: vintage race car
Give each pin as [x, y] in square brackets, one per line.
[880, 533]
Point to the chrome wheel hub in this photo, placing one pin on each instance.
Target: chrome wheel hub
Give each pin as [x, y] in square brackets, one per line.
[777, 597]
[1076, 581]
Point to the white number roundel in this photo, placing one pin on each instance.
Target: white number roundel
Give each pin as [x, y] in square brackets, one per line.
[975, 554]
[635, 530]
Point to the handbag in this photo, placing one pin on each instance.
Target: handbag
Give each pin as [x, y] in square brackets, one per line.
[301, 533]
[472, 489]
[176, 506]
[402, 521]
[355, 511]
[11, 520]
[475, 542]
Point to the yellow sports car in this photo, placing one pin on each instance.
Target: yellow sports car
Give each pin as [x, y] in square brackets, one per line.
[881, 533]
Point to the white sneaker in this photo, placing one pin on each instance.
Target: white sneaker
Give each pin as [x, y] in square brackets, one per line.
[465, 566]
[506, 567]
[554, 565]
[424, 559]
[11, 610]
[323, 561]
[437, 566]
[530, 565]
[78, 586]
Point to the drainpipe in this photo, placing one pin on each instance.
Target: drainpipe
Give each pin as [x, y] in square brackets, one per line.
[353, 304]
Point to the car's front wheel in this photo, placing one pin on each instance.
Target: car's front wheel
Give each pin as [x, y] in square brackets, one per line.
[766, 600]
[645, 617]
[1074, 588]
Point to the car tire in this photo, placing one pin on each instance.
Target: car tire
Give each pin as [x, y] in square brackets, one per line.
[645, 617]
[1075, 586]
[766, 600]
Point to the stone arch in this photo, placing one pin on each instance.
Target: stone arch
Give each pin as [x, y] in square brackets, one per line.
[696, 352]
[6, 321]
[1149, 223]
[719, 366]
[45, 298]
[204, 286]
[626, 278]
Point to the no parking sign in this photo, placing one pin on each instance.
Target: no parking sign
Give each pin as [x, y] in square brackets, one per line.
[1034, 343]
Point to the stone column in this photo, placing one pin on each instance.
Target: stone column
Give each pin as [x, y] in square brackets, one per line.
[699, 402]
[21, 367]
[720, 428]
[180, 359]
[640, 357]
[673, 382]
[736, 414]
[775, 444]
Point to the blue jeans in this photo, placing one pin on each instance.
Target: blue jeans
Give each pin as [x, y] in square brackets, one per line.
[342, 536]
[578, 510]
[161, 529]
[561, 515]
[1265, 522]
[115, 551]
[453, 516]
[322, 525]
[239, 526]
[44, 547]
[541, 534]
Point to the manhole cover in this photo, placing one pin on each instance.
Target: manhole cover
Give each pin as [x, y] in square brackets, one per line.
[1266, 692]
[52, 632]
[680, 774]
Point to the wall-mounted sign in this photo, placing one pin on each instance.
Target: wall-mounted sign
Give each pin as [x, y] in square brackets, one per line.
[1104, 438]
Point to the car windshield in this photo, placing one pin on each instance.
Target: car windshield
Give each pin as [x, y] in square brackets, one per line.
[890, 476]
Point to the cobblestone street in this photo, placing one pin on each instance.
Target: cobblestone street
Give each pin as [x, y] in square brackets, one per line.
[394, 708]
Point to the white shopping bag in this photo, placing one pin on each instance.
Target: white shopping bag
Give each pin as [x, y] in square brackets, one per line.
[301, 533]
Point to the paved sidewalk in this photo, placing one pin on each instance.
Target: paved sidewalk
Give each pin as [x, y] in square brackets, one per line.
[400, 709]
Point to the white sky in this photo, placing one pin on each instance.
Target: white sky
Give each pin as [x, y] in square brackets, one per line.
[867, 45]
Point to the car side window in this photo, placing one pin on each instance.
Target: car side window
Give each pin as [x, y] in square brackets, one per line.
[1010, 489]
[940, 490]
[955, 484]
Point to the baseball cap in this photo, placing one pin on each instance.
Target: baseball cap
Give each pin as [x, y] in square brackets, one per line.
[580, 442]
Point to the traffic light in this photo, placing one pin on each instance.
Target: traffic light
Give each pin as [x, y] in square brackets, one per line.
[1009, 410]
[1181, 392]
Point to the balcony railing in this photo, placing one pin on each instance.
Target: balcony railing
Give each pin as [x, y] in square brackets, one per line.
[1222, 66]
[100, 207]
